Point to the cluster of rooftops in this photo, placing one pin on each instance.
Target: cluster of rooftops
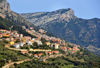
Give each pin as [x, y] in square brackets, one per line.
[19, 40]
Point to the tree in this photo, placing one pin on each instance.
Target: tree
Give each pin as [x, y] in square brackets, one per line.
[17, 41]
[15, 64]
[72, 56]
[35, 44]
[43, 40]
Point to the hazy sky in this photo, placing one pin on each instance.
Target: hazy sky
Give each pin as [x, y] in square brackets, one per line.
[85, 9]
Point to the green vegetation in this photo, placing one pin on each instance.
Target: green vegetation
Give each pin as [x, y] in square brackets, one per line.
[7, 55]
[61, 62]
[88, 56]
[85, 60]
[34, 64]
[43, 46]
[50, 34]
[6, 24]
[43, 40]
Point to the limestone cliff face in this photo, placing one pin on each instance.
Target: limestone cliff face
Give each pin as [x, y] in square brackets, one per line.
[4, 7]
[68, 15]
[42, 18]
[6, 12]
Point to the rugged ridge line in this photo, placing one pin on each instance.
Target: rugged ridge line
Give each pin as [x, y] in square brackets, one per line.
[42, 18]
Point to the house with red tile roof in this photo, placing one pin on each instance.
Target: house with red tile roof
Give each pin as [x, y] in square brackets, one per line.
[24, 52]
[1, 35]
[54, 40]
[58, 40]
[46, 52]
[50, 53]
[8, 32]
[40, 54]
[75, 49]
[73, 52]
[39, 37]
[35, 55]
[2, 30]
[64, 48]
[27, 37]
[81, 52]
[6, 35]
[47, 43]
[56, 52]
[41, 31]
[31, 28]
[68, 48]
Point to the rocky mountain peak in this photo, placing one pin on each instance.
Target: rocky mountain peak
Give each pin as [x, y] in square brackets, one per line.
[66, 10]
[42, 18]
[63, 10]
[65, 13]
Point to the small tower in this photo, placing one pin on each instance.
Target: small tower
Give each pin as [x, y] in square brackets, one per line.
[21, 36]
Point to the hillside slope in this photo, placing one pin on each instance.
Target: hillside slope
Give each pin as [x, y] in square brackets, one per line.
[64, 24]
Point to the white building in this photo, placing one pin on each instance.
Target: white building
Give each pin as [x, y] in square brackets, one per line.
[39, 42]
[29, 42]
[16, 35]
[55, 45]
[16, 45]
[21, 44]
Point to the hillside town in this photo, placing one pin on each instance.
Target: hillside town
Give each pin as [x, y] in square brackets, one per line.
[50, 48]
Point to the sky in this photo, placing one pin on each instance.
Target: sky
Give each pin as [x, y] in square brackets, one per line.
[85, 9]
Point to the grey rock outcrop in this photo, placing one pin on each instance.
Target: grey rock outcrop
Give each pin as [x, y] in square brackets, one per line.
[6, 12]
[42, 18]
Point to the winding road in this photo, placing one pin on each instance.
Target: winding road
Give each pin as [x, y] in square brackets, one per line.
[8, 65]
